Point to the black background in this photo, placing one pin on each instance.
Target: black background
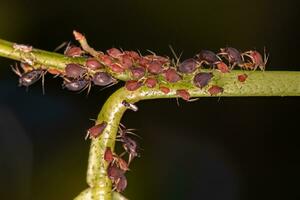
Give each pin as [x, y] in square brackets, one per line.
[227, 148]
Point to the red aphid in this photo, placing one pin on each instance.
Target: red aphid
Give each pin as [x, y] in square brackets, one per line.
[150, 82]
[134, 55]
[107, 60]
[164, 89]
[137, 72]
[256, 60]
[92, 64]
[143, 62]
[213, 90]
[242, 77]
[172, 76]
[126, 61]
[114, 52]
[55, 71]
[115, 67]
[155, 67]
[108, 155]
[96, 130]
[223, 67]
[133, 85]
[121, 184]
[184, 94]
[122, 164]
[73, 51]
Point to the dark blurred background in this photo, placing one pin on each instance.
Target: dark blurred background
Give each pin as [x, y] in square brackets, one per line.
[227, 148]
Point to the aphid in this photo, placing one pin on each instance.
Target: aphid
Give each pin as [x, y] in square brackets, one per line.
[73, 51]
[233, 56]
[187, 66]
[121, 184]
[184, 94]
[103, 79]
[164, 89]
[130, 106]
[30, 77]
[75, 70]
[105, 59]
[242, 77]
[133, 85]
[256, 60]
[93, 64]
[22, 47]
[122, 164]
[155, 67]
[115, 67]
[134, 55]
[108, 155]
[172, 76]
[137, 72]
[150, 82]
[76, 84]
[208, 57]
[202, 79]
[223, 67]
[213, 90]
[96, 130]
[114, 52]
[125, 61]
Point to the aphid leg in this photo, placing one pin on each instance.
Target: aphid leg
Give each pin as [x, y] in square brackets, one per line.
[177, 102]
[175, 56]
[43, 81]
[16, 70]
[110, 85]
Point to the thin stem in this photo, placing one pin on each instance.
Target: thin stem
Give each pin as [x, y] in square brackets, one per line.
[259, 84]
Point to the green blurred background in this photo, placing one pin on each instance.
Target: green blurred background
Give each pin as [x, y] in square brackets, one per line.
[215, 148]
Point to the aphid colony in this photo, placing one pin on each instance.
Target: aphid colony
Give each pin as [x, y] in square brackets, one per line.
[117, 166]
[149, 70]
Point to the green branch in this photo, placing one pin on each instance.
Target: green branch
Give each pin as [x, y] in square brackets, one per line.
[268, 83]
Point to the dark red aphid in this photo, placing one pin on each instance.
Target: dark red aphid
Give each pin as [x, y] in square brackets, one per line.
[184, 94]
[126, 61]
[233, 56]
[103, 79]
[75, 70]
[29, 76]
[213, 90]
[122, 164]
[93, 64]
[202, 79]
[137, 72]
[121, 184]
[76, 84]
[134, 55]
[208, 57]
[73, 51]
[223, 67]
[107, 60]
[150, 82]
[114, 52]
[172, 76]
[187, 66]
[164, 89]
[133, 85]
[242, 77]
[115, 67]
[108, 155]
[114, 172]
[155, 67]
[256, 60]
[96, 130]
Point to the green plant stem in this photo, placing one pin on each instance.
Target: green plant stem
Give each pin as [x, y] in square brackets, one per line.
[268, 83]
[258, 84]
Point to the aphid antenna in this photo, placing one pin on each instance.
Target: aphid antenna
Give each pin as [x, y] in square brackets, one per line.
[59, 47]
[110, 85]
[43, 81]
[152, 52]
[175, 55]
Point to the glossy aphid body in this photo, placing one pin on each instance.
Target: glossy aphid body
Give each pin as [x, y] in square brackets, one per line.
[208, 57]
[96, 131]
[233, 56]
[187, 66]
[202, 79]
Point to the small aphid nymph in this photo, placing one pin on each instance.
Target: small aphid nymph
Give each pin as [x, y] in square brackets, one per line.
[130, 106]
